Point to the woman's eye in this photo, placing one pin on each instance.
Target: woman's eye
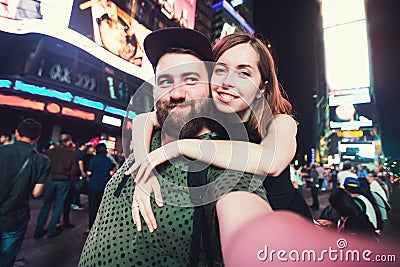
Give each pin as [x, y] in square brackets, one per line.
[220, 71]
[244, 73]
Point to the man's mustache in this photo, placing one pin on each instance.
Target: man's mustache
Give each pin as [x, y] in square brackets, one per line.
[171, 105]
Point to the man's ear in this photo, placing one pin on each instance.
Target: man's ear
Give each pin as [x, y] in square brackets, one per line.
[17, 134]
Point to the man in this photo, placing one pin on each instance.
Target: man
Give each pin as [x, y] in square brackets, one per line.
[14, 209]
[64, 167]
[345, 172]
[80, 153]
[185, 236]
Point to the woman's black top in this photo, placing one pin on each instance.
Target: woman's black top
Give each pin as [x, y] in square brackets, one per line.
[283, 196]
[280, 191]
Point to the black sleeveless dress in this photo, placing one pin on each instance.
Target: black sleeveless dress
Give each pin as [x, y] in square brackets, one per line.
[283, 196]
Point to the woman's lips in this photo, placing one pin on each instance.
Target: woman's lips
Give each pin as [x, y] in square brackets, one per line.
[226, 98]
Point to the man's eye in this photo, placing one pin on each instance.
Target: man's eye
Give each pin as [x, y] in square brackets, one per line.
[164, 83]
[191, 80]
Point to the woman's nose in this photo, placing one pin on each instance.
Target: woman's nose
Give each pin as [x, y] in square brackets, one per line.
[229, 79]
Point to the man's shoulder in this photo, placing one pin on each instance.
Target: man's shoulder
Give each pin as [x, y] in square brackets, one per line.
[42, 157]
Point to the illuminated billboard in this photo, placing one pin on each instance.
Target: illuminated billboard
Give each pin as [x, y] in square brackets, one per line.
[105, 29]
[357, 151]
[346, 51]
[346, 56]
[351, 116]
[354, 96]
[184, 11]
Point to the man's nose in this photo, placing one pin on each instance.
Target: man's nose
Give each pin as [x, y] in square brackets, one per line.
[179, 92]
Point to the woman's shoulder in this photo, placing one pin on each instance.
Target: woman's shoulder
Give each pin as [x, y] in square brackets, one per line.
[285, 121]
[284, 118]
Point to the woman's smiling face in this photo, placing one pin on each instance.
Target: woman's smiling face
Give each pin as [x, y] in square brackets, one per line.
[236, 80]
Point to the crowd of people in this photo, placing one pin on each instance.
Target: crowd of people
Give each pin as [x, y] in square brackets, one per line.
[201, 208]
[358, 195]
[55, 174]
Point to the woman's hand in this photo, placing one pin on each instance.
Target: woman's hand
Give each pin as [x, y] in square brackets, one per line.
[141, 204]
[144, 169]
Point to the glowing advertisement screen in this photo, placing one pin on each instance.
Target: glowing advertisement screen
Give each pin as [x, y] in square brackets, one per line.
[351, 116]
[184, 11]
[346, 56]
[357, 151]
[105, 29]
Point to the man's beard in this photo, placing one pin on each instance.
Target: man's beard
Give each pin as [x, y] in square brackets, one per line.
[182, 126]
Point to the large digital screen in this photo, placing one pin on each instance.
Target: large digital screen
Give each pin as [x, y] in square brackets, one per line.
[351, 116]
[357, 151]
[346, 60]
[354, 96]
[106, 29]
[347, 56]
[184, 11]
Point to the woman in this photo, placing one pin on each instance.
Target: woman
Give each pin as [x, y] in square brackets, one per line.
[243, 76]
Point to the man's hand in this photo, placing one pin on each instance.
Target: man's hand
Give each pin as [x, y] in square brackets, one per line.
[141, 204]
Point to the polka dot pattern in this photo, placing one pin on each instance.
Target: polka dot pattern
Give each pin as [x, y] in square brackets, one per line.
[114, 240]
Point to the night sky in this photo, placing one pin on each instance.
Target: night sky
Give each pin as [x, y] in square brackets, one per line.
[290, 25]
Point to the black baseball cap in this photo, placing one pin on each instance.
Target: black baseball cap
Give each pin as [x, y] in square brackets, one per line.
[158, 42]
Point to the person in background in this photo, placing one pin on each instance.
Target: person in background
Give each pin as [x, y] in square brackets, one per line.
[334, 176]
[64, 168]
[110, 155]
[15, 196]
[361, 171]
[89, 155]
[313, 179]
[304, 171]
[100, 170]
[365, 203]
[80, 154]
[296, 178]
[347, 171]
[321, 176]
[69, 199]
[5, 139]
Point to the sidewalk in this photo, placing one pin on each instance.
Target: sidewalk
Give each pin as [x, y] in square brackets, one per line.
[61, 251]
[64, 250]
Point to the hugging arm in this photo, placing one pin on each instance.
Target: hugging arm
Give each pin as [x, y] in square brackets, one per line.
[270, 157]
[142, 130]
